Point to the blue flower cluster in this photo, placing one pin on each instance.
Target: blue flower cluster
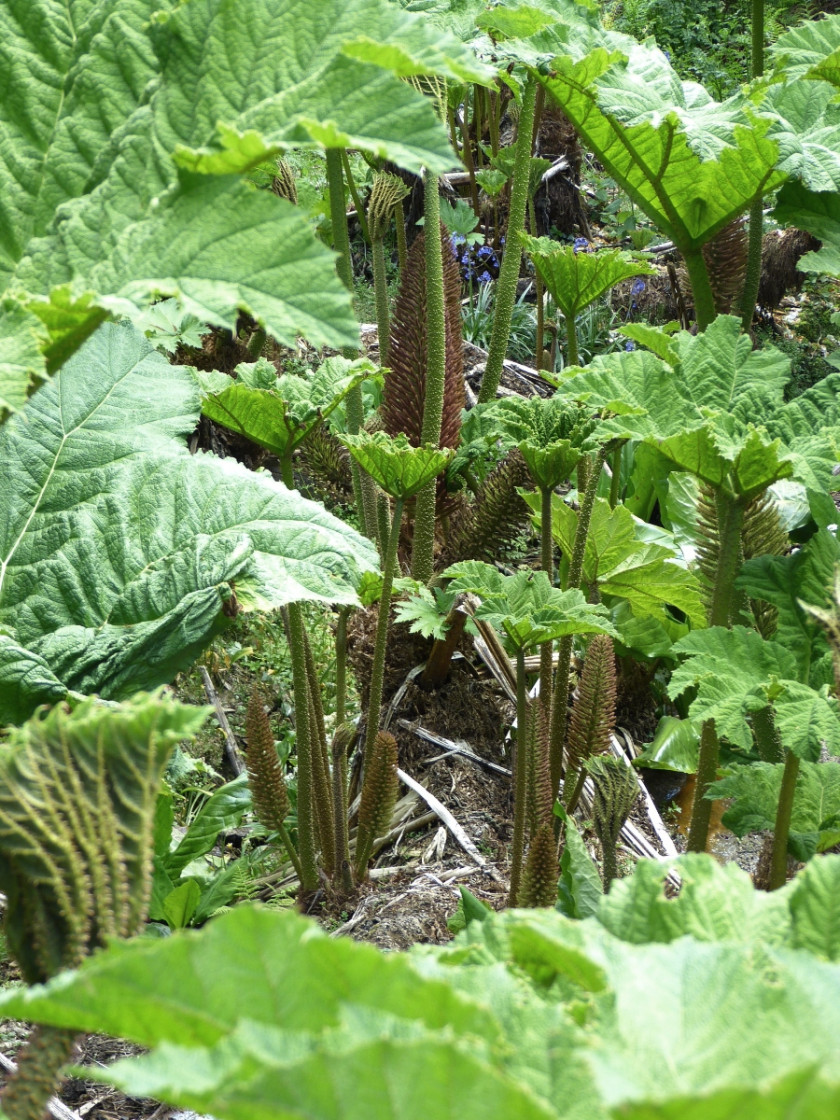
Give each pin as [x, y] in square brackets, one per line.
[581, 245]
[636, 290]
[478, 263]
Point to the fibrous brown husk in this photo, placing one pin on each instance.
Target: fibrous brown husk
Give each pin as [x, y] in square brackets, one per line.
[405, 384]
[780, 253]
[559, 201]
[726, 261]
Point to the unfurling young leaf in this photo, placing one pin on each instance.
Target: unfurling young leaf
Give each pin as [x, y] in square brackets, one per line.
[616, 790]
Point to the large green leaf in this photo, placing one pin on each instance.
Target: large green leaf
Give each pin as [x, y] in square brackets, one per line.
[574, 279]
[715, 903]
[818, 212]
[807, 129]
[223, 809]
[704, 413]
[118, 548]
[77, 806]
[358, 1072]
[736, 673]
[286, 972]
[399, 468]
[525, 607]
[815, 820]
[788, 581]
[810, 50]
[278, 412]
[107, 111]
[691, 164]
[815, 907]
[260, 1015]
[552, 434]
[621, 565]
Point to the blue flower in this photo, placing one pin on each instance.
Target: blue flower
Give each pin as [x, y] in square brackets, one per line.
[484, 251]
[630, 345]
[484, 277]
[456, 239]
[638, 287]
[581, 244]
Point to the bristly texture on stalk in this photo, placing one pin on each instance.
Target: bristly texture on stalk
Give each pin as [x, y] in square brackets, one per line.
[593, 713]
[283, 183]
[379, 795]
[30, 1087]
[762, 535]
[497, 516]
[269, 795]
[405, 384]
[616, 790]
[539, 881]
[726, 261]
[387, 190]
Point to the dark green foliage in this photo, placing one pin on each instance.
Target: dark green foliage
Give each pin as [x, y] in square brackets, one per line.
[707, 41]
[379, 795]
[269, 795]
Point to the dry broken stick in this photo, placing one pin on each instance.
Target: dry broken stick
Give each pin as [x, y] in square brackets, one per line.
[231, 747]
[450, 822]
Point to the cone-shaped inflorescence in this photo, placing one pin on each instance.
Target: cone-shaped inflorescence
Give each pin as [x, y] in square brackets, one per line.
[539, 882]
[379, 795]
[283, 183]
[616, 790]
[405, 384]
[326, 460]
[593, 714]
[269, 795]
[762, 534]
[496, 517]
[30, 1087]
